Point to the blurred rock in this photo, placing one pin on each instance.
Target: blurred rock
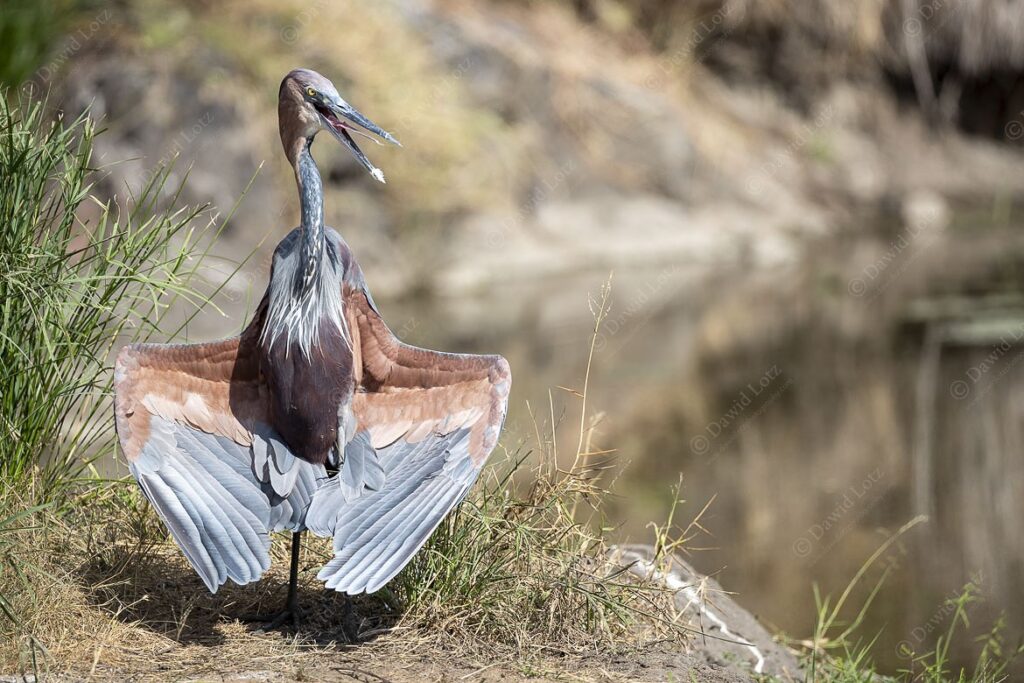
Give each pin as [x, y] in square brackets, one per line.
[162, 114]
[926, 210]
[585, 155]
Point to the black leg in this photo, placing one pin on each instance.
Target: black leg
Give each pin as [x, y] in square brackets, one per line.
[291, 611]
[292, 603]
[349, 623]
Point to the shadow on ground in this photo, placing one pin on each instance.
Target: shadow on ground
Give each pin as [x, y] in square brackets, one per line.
[158, 591]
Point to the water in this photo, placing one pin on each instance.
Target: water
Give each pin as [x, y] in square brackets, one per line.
[814, 439]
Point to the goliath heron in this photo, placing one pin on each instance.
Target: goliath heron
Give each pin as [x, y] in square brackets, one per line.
[231, 440]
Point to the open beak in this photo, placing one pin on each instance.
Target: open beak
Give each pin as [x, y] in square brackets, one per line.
[339, 117]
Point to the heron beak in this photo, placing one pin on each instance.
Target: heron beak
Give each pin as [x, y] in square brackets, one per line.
[337, 117]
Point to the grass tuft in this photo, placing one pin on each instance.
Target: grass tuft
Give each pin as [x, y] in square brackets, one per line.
[77, 276]
[528, 567]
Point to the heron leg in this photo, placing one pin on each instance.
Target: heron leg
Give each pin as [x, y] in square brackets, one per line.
[291, 611]
[349, 624]
[292, 601]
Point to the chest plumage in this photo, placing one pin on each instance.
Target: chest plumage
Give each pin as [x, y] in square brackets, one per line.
[307, 391]
[305, 349]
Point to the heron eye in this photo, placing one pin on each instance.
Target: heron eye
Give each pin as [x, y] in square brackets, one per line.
[311, 92]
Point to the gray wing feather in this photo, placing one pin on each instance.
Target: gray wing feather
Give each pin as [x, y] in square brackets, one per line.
[377, 534]
[379, 560]
[361, 472]
[236, 558]
[223, 517]
[353, 520]
[361, 469]
[290, 513]
[323, 512]
[414, 540]
[182, 526]
[220, 499]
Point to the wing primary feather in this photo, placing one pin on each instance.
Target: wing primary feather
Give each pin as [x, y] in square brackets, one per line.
[364, 561]
[356, 519]
[411, 546]
[210, 517]
[182, 527]
[239, 560]
[205, 527]
[357, 556]
[231, 497]
[239, 525]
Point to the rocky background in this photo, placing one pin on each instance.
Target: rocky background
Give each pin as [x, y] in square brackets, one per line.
[543, 138]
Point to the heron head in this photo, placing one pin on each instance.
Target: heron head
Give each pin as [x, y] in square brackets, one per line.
[309, 103]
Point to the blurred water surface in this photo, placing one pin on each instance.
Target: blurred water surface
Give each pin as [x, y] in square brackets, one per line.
[811, 445]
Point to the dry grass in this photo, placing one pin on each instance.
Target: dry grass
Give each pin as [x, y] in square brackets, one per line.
[520, 573]
[101, 591]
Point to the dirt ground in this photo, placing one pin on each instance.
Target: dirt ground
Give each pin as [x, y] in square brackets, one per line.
[167, 629]
[371, 664]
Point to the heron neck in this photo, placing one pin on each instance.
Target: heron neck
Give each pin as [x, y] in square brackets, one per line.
[311, 200]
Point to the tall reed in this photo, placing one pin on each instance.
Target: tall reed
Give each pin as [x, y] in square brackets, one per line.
[76, 276]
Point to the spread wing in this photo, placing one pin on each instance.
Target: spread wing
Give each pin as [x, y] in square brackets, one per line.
[424, 423]
[191, 420]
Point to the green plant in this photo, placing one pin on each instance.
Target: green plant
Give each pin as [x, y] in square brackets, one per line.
[837, 654]
[70, 288]
[28, 31]
[529, 567]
